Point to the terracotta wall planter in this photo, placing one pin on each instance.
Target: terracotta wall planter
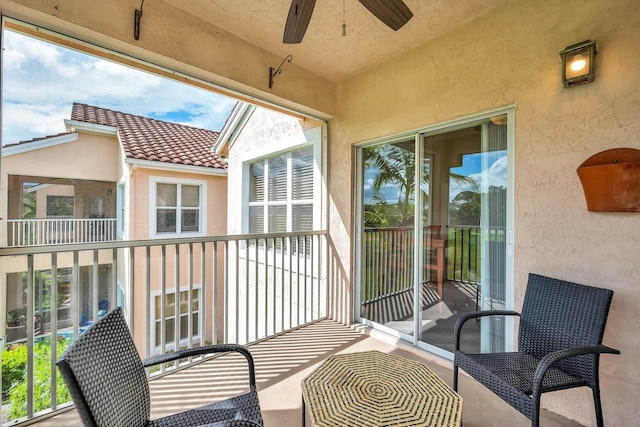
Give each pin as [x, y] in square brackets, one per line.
[611, 180]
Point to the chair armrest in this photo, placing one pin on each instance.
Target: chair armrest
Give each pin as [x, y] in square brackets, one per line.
[233, 423]
[483, 313]
[547, 361]
[198, 351]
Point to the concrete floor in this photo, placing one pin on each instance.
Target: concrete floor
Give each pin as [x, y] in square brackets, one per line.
[283, 362]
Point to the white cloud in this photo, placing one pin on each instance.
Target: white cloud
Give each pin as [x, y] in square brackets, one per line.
[495, 175]
[39, 120]
[42, 81]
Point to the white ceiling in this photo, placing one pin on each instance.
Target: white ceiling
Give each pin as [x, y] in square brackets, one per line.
[324, 50]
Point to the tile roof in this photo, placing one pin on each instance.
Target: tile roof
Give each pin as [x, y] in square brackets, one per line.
[41, 138]
[144, 138]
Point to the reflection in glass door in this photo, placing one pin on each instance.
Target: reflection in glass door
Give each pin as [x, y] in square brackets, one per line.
[387, 235]
[452, 225]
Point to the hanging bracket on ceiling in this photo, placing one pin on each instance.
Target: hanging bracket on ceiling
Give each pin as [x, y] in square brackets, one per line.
[136, 22]
[273, 72]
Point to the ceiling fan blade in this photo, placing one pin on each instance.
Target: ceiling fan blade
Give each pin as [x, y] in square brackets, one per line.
[298, 20]
[394, 13]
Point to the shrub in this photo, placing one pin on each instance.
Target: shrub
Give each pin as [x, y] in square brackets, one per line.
[16, 368]
[14, 364]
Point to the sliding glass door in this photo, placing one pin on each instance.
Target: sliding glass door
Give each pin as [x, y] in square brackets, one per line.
[388, 277]
[435, 239]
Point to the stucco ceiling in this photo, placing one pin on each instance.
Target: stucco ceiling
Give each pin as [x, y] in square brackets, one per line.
[324, 50]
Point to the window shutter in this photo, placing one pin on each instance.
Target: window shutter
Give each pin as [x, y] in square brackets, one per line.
[278, 178]
[256, 219]
[256, 182]
[277, 219]
[302, 171]
[302, 217]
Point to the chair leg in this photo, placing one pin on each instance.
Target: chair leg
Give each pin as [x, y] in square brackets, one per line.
[535, 421]
[455, 378]
[598, 404]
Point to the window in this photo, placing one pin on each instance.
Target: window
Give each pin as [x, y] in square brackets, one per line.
[170, 316]
[59, 206]
[177, 207]
[281, 192]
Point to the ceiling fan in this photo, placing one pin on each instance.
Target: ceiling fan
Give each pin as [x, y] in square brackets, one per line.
[393, 13]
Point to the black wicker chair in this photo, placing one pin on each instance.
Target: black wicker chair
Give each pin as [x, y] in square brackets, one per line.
[559, 346]
[108, 382]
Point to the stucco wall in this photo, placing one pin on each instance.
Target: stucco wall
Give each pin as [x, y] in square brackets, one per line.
[91, 157]
[510, 57]
[216, 225]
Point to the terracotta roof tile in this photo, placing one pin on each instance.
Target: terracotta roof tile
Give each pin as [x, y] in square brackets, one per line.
[28, 141]
[144, 138]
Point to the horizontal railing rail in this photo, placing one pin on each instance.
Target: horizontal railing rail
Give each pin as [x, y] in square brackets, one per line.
[176, 293]
[59, 231]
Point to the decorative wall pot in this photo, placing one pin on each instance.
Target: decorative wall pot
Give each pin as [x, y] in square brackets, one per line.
[611, 180]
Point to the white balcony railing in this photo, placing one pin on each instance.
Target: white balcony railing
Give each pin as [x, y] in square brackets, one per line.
[59, 231]
[233, 289]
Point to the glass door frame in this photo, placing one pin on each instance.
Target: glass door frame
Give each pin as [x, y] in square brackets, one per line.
[358, 228]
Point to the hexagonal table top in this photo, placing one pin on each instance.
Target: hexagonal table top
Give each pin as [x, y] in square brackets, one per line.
[377, 389]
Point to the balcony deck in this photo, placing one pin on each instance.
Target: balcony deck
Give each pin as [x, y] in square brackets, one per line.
[281, 364]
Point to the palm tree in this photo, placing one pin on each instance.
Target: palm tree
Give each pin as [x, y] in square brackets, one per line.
[396, 167]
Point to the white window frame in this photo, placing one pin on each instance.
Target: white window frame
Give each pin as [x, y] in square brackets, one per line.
[153, 193]
[169, 346]
[289, 203]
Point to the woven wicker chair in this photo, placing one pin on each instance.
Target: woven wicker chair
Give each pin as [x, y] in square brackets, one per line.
[559, 346]
[108, 382]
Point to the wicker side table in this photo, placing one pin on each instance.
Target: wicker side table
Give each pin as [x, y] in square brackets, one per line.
[373, 389]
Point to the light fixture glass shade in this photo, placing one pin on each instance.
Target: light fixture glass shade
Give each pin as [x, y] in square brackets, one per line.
[577, 63]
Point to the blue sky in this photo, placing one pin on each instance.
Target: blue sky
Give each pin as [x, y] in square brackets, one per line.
[41, 81]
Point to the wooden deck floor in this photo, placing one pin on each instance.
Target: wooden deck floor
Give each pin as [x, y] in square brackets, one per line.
[282, 363]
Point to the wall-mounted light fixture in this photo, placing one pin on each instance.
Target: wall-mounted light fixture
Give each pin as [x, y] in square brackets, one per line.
[577, 63]
[273, 72]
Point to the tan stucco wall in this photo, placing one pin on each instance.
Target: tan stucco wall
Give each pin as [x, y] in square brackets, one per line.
[139, 200]
[216, 219]
[510, 57]
[91, 164]
[92, 157]
[41, 198]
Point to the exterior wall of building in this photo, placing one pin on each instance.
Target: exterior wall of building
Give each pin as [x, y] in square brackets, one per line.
[139, 204]
[54, 190]
[265, 134]
[139, 211]
[88, 167]
[510, 57]
[94, 157]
